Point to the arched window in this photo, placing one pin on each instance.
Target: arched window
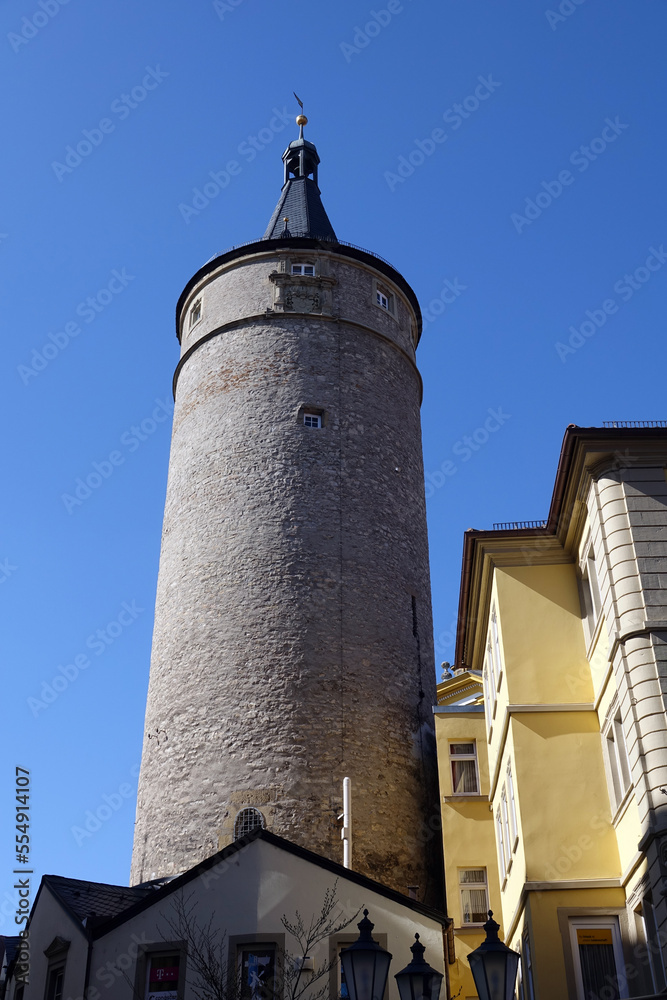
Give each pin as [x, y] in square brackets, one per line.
[246, 821]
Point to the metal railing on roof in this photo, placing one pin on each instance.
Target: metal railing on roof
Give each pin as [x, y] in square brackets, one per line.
[321, 239]
[513, 525]
[634, 423]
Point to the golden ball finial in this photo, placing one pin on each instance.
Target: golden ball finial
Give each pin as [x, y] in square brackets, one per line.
[301, 120]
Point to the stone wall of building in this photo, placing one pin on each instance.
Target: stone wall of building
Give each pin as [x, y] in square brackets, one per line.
[293, 634]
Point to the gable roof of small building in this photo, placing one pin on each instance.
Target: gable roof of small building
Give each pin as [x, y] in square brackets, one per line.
[148, 894]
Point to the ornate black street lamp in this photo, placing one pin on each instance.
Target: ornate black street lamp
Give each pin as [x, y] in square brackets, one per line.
[494, 965]
[365, 965]
[418, 981]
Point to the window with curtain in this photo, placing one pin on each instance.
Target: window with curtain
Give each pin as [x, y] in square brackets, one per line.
[463, 762]
[474, 895]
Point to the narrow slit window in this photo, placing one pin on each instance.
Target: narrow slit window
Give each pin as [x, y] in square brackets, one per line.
[195, 313]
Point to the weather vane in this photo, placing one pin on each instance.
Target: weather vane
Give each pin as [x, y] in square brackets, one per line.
[301, 119]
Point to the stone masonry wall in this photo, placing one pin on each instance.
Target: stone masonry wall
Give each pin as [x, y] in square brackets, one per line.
[293, 633]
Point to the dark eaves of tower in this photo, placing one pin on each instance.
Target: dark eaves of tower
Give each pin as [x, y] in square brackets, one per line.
[300, 211]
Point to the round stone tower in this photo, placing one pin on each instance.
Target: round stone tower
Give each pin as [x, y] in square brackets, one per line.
[293, 634]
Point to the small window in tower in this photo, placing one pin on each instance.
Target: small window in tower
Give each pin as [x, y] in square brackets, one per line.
[246, 821]
[383, 298]
[312, 420]
[308, 269]
[195, 313]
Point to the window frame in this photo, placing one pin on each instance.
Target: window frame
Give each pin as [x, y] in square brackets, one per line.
[597, 923]
[503, 857]
[239, 817]
[453, 758]
[309, 415]
[589, 590]
[302, 273]
[55, 969]
[196, 307]
[157, 949]
[382, 292]
[527, 966]
[504, 812]
[653, 945]
[494, 638]
[337, 942]
[466, 887]
[157, 994]
[617, 761]
[511, 801]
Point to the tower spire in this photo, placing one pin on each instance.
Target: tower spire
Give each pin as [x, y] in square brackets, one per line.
[300, 198]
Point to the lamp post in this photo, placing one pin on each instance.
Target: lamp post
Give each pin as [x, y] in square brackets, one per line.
[494, 965]
[365, 965]
[418, 981]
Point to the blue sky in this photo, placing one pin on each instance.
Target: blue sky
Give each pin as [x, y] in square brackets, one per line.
[516, 217]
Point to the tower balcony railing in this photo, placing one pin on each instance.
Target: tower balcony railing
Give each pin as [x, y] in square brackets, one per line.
[515, 525]
[634, 424]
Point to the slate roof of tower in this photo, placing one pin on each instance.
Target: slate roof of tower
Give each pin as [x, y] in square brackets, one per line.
[300, 201]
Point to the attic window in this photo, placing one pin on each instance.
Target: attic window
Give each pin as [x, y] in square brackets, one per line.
[308, 269]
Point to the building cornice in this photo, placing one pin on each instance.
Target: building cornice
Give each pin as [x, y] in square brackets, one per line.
[586, 454]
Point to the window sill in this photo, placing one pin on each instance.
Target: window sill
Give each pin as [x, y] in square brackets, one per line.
[466, 797]
[469, 928]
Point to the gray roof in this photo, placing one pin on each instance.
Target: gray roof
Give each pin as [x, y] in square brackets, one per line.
[94, 901]
[300, 201]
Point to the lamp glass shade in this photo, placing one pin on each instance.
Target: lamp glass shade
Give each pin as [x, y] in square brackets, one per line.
[418, 981]
[365, 965]
[494, 965]
[494, 974]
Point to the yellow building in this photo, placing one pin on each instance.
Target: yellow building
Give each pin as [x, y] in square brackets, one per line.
[552, 730]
